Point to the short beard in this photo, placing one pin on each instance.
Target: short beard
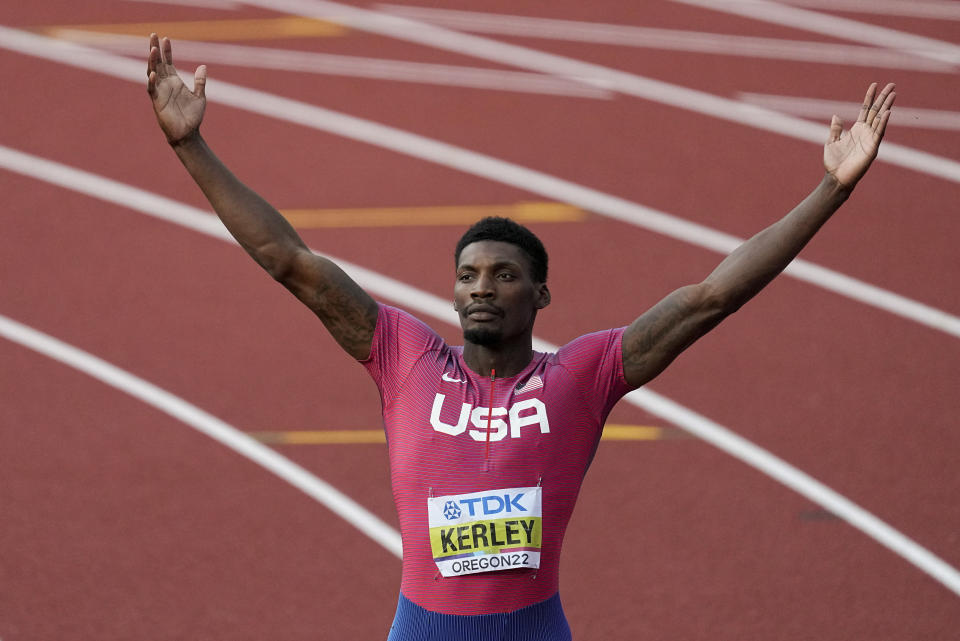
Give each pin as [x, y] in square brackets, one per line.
[482, 336]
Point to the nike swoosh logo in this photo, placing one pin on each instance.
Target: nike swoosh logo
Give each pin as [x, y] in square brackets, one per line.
[446, 377]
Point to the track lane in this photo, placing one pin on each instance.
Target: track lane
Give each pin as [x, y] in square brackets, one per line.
[800, 575]
[127, 525]
[632, 174]
[361, 241]
[434, 151]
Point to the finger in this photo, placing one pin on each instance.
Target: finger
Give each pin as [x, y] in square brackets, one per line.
[152, 83]
[836, 128]
[151, 63]
[881, 125]
[200, 81]
[883, 109]
[167, 51]
[888, 102]
[877, 107]
[867, 102]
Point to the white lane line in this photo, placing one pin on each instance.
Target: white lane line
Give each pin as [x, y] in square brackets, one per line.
[824, 109]
[802, 483]
[439, 309]
[210, 4]
[220, 431]
[486, 167]
[830, 25]
[666, 39]
[627, 83]
[350, 66]
[937, 10]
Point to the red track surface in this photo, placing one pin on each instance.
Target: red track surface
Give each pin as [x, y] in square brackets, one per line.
[119, 522]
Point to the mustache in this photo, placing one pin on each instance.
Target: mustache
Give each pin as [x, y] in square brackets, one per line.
[483, 307]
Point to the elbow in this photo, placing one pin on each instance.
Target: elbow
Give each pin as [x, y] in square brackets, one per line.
[715, 302]
[279, 262]
[279, 271]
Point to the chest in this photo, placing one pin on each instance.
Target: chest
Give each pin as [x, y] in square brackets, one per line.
[445, 416]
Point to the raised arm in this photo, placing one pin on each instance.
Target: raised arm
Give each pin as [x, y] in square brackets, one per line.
[347, 311]
[658, 336]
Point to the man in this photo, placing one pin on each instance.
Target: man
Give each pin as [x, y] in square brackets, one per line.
[489, 442]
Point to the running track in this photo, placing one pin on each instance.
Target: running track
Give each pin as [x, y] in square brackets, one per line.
[120, 522]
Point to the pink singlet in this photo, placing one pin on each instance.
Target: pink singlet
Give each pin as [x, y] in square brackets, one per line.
[544, 426]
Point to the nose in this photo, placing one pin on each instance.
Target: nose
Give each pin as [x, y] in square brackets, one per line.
[482, 287]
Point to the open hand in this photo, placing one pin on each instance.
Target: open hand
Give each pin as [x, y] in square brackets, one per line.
[848, 156]
[179, 110]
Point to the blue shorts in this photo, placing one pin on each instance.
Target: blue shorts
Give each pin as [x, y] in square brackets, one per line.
[542, 621]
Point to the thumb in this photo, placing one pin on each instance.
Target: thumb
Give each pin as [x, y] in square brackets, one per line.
[200, 81]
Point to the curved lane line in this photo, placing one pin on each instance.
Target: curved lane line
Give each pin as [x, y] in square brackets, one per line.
[491, 168]
[498, 24]
[930, 9]
[439, 308]
[835, 26]
[250, 57]
[630, 84]
[156, 397]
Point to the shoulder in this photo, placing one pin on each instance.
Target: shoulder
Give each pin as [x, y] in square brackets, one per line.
[400, 336]
[592, 345]
[400, 341]
[593, 356]
[394, 319]
[596, 360]
[592, 365]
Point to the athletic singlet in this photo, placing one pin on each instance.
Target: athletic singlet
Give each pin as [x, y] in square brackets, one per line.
[544, 426]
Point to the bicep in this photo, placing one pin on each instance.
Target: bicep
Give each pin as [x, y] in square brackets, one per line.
[347, 311]
[661, 334]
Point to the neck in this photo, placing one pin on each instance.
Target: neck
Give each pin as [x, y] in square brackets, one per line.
[506, 360]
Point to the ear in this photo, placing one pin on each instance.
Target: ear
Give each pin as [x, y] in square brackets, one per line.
[543, 296]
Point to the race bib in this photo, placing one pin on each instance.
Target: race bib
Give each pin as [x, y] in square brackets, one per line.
[486, 531]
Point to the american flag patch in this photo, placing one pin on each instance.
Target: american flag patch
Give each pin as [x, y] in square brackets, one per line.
[535, 382]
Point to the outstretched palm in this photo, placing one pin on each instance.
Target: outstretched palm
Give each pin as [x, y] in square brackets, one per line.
[848, 156]
[179, 110]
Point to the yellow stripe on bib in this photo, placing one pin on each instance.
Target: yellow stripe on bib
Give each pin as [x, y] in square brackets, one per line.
[486, 536]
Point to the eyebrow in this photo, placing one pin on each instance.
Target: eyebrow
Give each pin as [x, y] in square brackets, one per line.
[496, 265]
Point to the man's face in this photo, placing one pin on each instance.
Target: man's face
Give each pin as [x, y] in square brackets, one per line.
[495, 295]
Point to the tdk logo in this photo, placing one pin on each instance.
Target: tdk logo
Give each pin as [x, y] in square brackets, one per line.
[451, 510]
[485, 505]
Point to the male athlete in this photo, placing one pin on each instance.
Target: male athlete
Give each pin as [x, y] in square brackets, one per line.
[489, 442]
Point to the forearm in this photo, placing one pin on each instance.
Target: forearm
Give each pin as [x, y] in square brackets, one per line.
[759, 260]
[259, 228]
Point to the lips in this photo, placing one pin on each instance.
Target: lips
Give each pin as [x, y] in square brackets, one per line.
[482, 312]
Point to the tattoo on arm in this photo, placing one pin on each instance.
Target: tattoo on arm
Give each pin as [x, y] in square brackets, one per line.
[346, 310]
[662, 333]
[351, 324]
